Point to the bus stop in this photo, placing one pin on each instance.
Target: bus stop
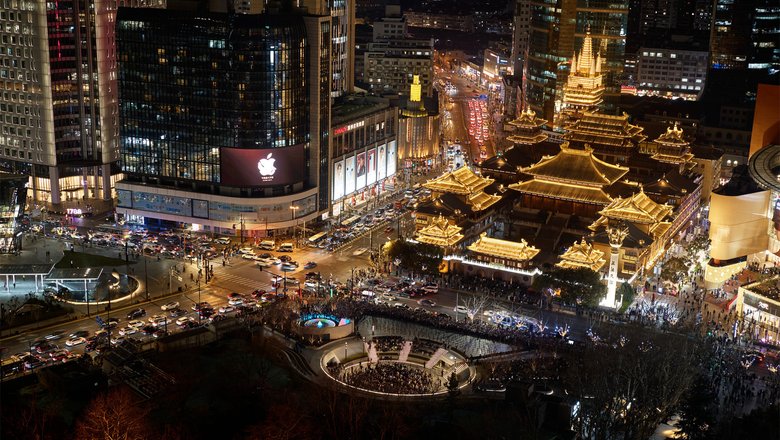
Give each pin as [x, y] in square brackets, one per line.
[38, 272]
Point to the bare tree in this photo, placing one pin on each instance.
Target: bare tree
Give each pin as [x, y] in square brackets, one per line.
[114, 415]
[474, 305]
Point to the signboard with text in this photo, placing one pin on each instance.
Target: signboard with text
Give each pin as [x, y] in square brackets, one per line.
[262, 167]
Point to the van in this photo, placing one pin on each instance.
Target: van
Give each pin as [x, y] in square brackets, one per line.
[286, 247]
[267, 245]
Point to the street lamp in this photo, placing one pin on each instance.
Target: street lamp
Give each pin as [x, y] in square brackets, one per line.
[293, 212]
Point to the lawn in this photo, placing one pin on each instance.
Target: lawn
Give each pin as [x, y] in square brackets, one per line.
[81, 259]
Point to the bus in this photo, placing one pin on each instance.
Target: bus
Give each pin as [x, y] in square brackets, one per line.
[350, 221]
[314, 239]
[11, 365]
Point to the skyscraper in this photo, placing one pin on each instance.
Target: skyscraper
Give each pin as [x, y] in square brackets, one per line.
[224, 117]
[557, 27]
[59, 104]
[342, 30]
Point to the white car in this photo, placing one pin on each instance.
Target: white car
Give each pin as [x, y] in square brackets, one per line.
[78, 340]
[125, 331]
[461, 309]
[236, 301]
[170, 306]
[135, 323]
[248, 256]
[246, 250]
[159, 321]
[227, 309]
[183, 320]
[264, 262]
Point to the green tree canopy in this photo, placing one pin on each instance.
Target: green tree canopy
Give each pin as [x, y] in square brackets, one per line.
[675, 269]
[419, 257]
[581, 285]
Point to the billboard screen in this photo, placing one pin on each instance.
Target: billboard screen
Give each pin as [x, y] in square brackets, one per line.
[338, 180]
[360, 171]
[371, 161]
[349, 184]
[262, 167]
[392, 160]
[381, 161]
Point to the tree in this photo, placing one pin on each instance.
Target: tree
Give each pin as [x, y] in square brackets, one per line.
[113, 415]
[675, 269]
[627, 294]
[697, 420]
[581, 285]
[474, 305]
[452, 384]
[417, 257]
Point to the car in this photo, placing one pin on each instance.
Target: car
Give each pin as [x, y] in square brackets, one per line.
[217, 318]
[160, 321]
[149, 329]
[135, 323]
[79, 333]
[264, 262]
[183, 320]
[461, 309]
[227, 309]
[248, 255]
[54, 335]
[137, 313]
[175, 313]
[431, 288]
[426, 302]
[236, 301]
[285, 258]
[170, 305]
[76, 340]
[267, 297]
[159, 333]
[246, 250]
[201, 305]
[206, 312]
[126, 331]
[59, 355]
[310, 265]
[222, 240]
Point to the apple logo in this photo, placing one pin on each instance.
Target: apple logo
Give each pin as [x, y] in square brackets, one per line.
[266, 166]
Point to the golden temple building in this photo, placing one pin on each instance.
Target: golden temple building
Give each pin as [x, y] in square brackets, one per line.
[584, 87]
[527, 129]
[503, 252]
[440, 233]
[582, 254]
[572, 181]
[612, 138]
[462, 181]
[671, 147]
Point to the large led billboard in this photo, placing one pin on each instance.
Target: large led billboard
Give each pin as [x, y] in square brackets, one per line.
[381, 160]
[262, 167]
[349, 165]
[338, 180]
[371, 161]
[392, 160]
[360, 171]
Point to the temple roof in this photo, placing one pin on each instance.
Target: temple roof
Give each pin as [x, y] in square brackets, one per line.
[582, 254]
[462, 181]
[448, 205]
[510, 250]
[672, 137]
[564, 191]
[528, 129]
[598, 129]
[638, 208]
[481, 200]
[671, 183]
[440, 233]
[577, 166]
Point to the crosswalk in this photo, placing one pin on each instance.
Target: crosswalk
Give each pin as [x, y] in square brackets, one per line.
[220, 279]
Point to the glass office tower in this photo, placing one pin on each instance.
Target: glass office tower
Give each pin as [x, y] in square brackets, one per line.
[221, 116]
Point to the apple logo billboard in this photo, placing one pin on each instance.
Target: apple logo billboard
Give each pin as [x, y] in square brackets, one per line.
[262, 167]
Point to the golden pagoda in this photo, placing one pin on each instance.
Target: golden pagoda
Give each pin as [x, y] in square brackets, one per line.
[671, 147]
[582, 254]
[503, 249]
[637, 209]
[584, 88]
[415, 107]
[462, 181]
[440, 232]
[608, 135]
[528, 129]
[572, 181]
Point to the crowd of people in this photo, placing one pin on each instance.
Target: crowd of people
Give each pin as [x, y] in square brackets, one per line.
[389, 377]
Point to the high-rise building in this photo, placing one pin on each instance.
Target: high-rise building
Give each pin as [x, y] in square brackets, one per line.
[745, 34]
[521, 23]
[59, 101]
[556, 29]
[225, 118]
[342, 30]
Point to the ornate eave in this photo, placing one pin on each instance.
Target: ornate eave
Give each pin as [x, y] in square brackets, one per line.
[599, 129]
[660, 229]
[582, 254]
[576, 166]
[563, 191]
[527, 139]
[440, 233]
[638, 208]
[509, 250]
[481, 200]
[462, 181]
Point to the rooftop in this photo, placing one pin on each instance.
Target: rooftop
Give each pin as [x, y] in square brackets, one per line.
[582, 254]
[440, 233]
[638, 208]
[577, 166]
[462, 181]
[351, 107]
[510, 250]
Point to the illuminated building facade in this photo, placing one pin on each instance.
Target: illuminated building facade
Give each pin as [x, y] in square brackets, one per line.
[225, 118]
[13, 198]
[58, 68]
[418, 129]
[584, 88]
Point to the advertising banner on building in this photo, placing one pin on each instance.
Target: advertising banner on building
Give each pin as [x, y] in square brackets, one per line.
[392, 159]
[338, 180]
[371, 160]
[381, 161]
[360, 171]
[261, 167]
[349, 183]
